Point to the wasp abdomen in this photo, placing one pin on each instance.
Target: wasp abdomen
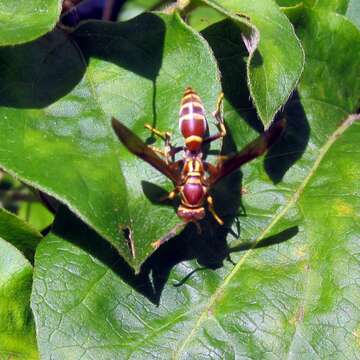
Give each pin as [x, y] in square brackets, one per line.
[189, 214]
[192, 120]
[193, 194]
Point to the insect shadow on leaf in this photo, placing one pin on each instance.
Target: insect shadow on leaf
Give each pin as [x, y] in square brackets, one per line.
[244, 246]
[157, 195]
[209, 251]
[293, 142]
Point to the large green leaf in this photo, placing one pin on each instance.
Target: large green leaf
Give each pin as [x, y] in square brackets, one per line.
[288, 296]
[324, 34]
[25, 20]
[17, 330]
[276, 58]
[67, 148]
[283, 300]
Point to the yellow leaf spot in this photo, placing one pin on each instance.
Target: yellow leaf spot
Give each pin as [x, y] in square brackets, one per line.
[356, 334]
[343, 208]
[301, 251]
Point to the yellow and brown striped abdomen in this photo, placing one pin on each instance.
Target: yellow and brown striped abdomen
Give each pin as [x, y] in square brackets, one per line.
[192, 121]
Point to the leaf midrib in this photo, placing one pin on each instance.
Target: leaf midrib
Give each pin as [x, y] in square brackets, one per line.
[219, 291]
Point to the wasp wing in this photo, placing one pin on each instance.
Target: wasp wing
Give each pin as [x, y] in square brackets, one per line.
[136, 146]
[228, 164]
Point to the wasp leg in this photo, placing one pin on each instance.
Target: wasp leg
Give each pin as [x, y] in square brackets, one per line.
[212, 210]
[161, 134]
[173, 232]
[157, 150]
[218, 115]
[170, 196]
[169, 151]
[219, 105]
[174, 150]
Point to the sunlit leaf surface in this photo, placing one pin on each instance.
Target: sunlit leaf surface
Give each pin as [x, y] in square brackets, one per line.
[25, 20]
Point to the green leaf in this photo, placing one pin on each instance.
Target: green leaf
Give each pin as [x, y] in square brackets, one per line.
[276, 57]
[25, 20]
[339, 83]
[64, 144]
[293, 294]
[17, 330]
[19, 234]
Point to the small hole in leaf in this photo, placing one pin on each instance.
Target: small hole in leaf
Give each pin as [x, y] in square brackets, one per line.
[127, 232]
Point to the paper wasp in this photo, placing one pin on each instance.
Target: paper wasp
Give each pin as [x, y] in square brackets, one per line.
[192, 176]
